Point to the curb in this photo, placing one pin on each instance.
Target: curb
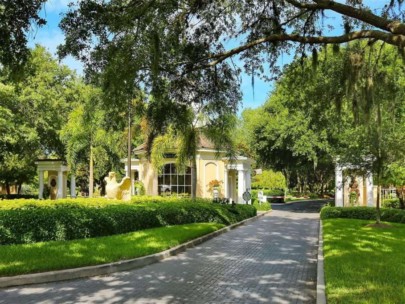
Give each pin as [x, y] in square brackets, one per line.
[320, 279]
[103, 269]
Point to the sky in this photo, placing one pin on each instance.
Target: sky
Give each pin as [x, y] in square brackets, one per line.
[50, 36]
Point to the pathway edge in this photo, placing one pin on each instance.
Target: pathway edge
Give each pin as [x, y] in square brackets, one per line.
[320, 279]
[103, 269]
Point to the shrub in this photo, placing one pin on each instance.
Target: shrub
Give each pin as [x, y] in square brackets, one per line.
[363, 213]
[391, 203]
[262, 207]
[37, 221]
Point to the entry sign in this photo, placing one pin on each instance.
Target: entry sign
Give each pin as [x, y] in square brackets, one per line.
[246, 196]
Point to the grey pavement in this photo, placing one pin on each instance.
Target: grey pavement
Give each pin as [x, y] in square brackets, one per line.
[271, 260]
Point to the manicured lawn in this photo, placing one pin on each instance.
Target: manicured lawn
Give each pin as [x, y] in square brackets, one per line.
[45, 256]
[364, 264]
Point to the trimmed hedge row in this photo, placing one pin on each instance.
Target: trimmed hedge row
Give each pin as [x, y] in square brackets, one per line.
[67, 221]
[363, 213]
[99, 202]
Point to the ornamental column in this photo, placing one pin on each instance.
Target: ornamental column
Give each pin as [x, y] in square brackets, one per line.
[60, 184]
[132, 182]
[248, 182]
[41, 184]
[241, 185]
[369, 189]
[226, 191]
[338, 186]
[73, 186]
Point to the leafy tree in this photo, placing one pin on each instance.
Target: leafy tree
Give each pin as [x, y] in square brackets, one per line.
[357, 117]
[269, 179]
[16, 19]
[175, 39]
[184, 138]
[395, 175]
[32, 112]
[89, 139]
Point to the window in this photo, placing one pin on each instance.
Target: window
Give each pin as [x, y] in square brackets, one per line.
[171, 181]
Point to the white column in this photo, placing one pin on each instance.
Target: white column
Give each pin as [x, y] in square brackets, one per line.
[41, 184]
[241, 185]
[72, 186]
[248, 182]
[226, 191]
[126, 168]
[369, 189]
[338, 186]
[133, 181]
[60, 184]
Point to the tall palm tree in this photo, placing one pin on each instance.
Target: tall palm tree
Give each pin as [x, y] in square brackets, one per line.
[184, 139]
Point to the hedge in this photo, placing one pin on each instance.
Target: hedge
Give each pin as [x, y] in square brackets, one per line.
[363, 213]
[66, 221]
[262, 206]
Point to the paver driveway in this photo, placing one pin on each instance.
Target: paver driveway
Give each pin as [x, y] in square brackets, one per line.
[271, 260]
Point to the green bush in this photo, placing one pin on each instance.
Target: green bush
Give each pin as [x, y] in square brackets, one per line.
[84, 218]
[262, 207]
[363, 213]
[391, 203]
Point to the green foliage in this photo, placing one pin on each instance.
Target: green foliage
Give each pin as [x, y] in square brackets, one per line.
[17, 19]
[353, 274]
[391, 203]
[36, 221]
[363, 213]
[335, 113]
[139, 187]
[269, 180]
[55, 255]
[32, 113]
[266, 206]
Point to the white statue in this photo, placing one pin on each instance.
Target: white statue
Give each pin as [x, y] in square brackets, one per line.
[114, 190]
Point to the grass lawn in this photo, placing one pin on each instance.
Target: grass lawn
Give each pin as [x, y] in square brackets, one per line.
[45, 256]
[364, 264]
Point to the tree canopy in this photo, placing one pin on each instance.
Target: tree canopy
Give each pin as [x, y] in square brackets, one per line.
[322, 114]
[17, 18]
[154, 35]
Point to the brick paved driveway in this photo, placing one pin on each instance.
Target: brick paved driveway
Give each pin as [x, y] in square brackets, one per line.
[271, 260]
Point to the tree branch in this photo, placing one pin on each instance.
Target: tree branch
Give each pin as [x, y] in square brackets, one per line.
[397, 40]
[392, 26]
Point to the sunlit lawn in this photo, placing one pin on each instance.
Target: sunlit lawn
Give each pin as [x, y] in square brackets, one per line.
[364, 264]
[29, 258]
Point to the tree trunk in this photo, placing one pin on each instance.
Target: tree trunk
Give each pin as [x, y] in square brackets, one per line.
[379, 160]
[8, 188]
[401, 196]
[91, 173]
[19, 187]
[193, 178]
